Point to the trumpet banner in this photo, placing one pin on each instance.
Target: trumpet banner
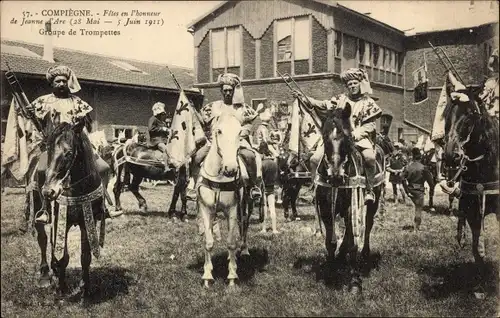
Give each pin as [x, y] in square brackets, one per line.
[304, 131]
[21, 143]
[185, 131]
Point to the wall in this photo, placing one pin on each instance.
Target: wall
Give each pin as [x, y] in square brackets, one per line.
[463, 48]
[112, 105]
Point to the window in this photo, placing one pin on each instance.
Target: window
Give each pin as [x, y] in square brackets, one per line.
[284, 38]
[300, 30]
[218, 56]
[368, 55]
[222, 56]
[302, 40]
[393, 61]
[376, 55]
[361, 51]
[337, 44]
[387, 64]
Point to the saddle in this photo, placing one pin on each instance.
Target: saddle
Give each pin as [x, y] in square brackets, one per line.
[358, 180]
[141, 153]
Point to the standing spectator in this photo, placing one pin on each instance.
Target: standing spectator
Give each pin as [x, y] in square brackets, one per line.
[397, 162]
[415, 174]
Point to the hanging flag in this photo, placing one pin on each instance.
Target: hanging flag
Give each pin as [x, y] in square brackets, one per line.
[420, 81]
[21, 143]
[304, 132]
[185, 130]
[294, 141]
[438, 125]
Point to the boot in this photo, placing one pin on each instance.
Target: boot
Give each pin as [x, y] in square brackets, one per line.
[370, 175]
[255, 191]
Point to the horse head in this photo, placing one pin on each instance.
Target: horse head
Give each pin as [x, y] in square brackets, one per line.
[338, 143]
[226, 141]
[470, 133]
[67, 149]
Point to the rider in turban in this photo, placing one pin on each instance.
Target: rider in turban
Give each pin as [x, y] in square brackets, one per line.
[158, 129]
[62, 106]
[364, 113]
[490, 93]
[232, 102]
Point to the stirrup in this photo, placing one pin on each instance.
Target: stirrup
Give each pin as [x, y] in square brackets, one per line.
[255, 193]
[42, 217]
[369, 197]
[191, 194]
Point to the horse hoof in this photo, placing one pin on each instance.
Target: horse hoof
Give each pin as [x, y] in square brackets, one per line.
[114, 214]
[206, 284]
[432, 210]
[232, 287]
[245, 252]
[44, 282]
[356, 290]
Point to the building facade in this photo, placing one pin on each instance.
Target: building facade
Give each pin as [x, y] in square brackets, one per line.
[315, 41]
[121, 92]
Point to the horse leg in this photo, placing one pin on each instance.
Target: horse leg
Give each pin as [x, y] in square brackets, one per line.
[271, 203]
[86, 259]
[478, 247]
[325, 212]
[355, 285]
[265, 213]
[431, 198]
[371, 210]
[59, 267]
[117, 189]
[295, 196]
[44, 280]
[247, 205]
[173, 202]
[232, 219]
[134, 188]
[207, 218]
[285, 200]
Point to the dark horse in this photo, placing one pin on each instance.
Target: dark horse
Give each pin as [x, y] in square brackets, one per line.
[73, 187]
[294, 173]
[471, 137]
[140, 161]
[339, 191]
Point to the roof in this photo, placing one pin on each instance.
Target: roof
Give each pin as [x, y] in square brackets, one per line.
[330, 3]
[26, 58]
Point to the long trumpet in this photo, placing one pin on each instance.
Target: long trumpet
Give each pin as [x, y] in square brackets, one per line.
[445, 60]
[289, 81]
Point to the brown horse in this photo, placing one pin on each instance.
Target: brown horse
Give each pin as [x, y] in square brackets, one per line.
[74, 188]
[140, 162]
[471, 137]
[339, 191]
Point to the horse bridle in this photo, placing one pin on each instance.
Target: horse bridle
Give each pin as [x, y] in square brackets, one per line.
[64, 180]
[464, 158]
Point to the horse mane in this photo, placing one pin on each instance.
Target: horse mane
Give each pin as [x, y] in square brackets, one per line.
[335, 120]
[80, 140]
[488, 125]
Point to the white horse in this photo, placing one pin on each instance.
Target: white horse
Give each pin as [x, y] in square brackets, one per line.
[219, 189]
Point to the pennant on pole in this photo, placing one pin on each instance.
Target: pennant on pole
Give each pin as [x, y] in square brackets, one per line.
[438, 124]
[304, 130]
[21, 143]
[185, 130]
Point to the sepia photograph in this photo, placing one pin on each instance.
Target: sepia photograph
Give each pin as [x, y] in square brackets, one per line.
[250, 158]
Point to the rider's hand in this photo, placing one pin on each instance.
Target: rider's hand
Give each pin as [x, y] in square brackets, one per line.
[356, 134]
[30, 108]
[297, 94]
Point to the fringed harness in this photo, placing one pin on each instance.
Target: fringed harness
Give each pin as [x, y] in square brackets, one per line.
[59, 221]
[357, 183]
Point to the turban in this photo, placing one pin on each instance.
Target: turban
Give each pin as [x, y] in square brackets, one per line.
[158, 108]
[235, 82]
[360, 75]
[65, 71]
